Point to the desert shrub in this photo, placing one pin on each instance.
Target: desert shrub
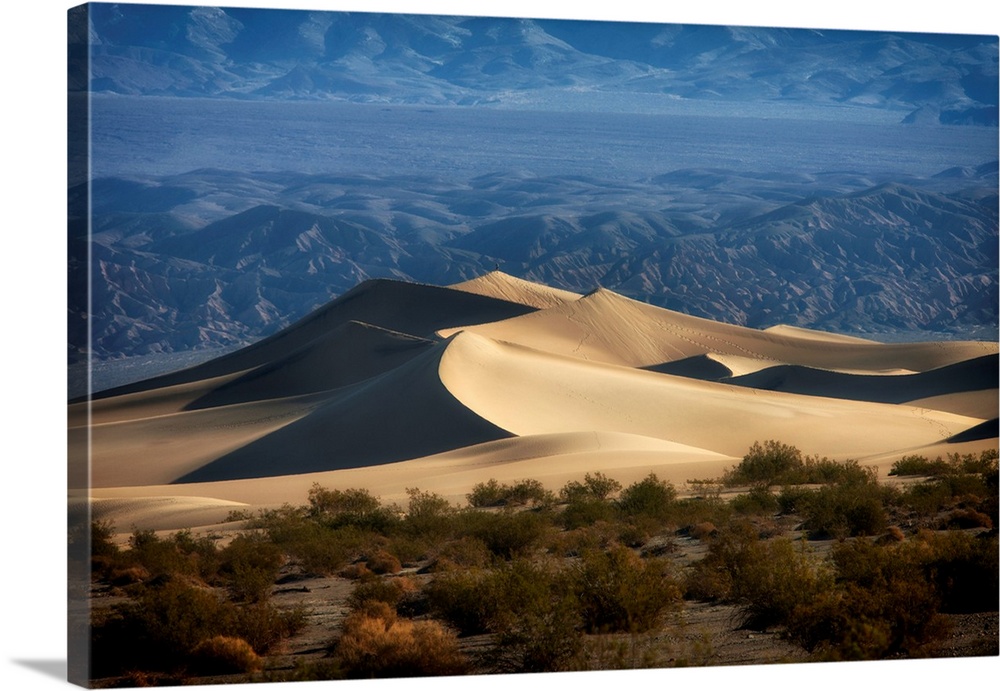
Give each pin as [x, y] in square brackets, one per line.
[263, 626]
[489, 493]
[731, 551]
[249, 567]
[102, 542]
[919, 465]
[759, 500]
[462, 599]
[983, 464]
[379, 645]
[160, 557]
[428, 514]
[535, 620]
[351, 507]
[703, 509]
[464, 552]
[159, 625]
[583, 511]
[843, 510]
[317, 549]
[764, 464]
[224, 655]
[388, 590]
[620, 592]
[883, 604]
[945, 491]
[507, 534]
[381, 562]
[964, 570]
[521, 493]
[529, 607]
[823, 471]
[776, 577]
[650, 497]
[961, 519]
[573, 542]
[767, 579]
[792, 499]
[597, 486]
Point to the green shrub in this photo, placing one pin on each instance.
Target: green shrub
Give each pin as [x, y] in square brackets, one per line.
[463, 599]
[759, 500]
[506, 534]
[351, 507]
[883, 605]
[521, 493]
[535, 618]
[529, 607]
[428, 515]
[584, 511]
[842, 510]
[620, 593]
[919, 465]
[597, 486]
[249, 566]
[774, 579]
[764, 464]
[650, 497]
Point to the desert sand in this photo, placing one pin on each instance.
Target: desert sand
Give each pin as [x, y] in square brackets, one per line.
[397, 385]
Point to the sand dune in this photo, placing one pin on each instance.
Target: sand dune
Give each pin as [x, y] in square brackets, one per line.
[402, 414]
[497, 284]
[527, 391]
[409, 308]
[389, 387]
[162, 448]
[606, 327]
[976, 374]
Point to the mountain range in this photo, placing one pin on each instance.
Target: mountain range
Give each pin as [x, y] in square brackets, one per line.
[445, 60]
[214, 258]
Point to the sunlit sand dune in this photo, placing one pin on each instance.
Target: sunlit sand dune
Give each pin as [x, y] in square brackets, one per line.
[606, 327]
[497, 284]
[531, 392]
[389, 388]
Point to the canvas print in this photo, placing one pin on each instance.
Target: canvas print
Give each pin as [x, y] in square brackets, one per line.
[410, 345]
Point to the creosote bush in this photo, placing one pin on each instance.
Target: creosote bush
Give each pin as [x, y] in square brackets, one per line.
[650, 498]
[618, 592]
[521, 493]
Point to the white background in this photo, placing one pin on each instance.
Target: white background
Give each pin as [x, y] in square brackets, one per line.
[32, 319]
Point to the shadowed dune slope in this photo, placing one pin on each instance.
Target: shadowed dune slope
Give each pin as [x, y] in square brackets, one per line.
[402, 414]
[497, 284]
[989, 429]
[527, 392]
[350, 353]
[409, 308]
[606, 327]
[970, 375]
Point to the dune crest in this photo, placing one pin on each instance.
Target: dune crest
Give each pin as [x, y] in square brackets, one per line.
[604, 326]
[497, 284]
